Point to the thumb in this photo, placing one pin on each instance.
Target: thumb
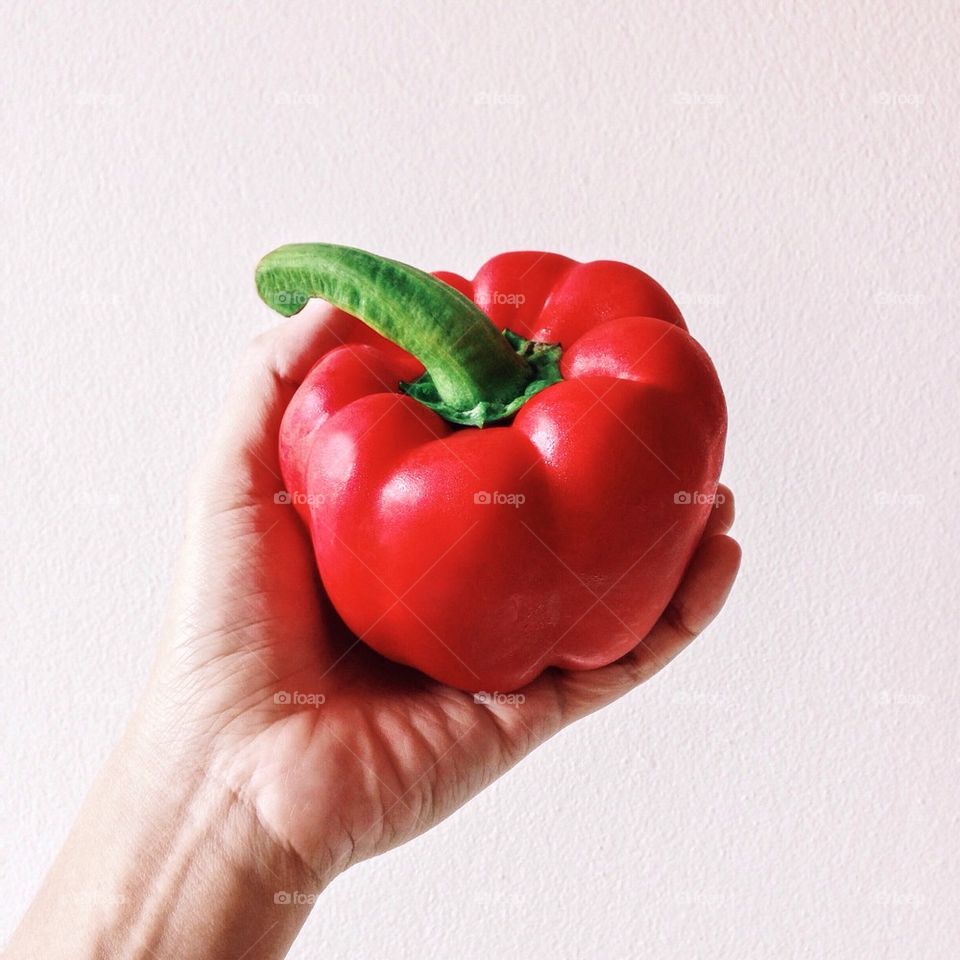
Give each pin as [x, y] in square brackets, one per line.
[241, 464]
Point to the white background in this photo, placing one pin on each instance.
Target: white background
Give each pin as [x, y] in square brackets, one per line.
[789, 787]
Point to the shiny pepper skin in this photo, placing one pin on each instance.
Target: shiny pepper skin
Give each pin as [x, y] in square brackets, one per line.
[484, 556]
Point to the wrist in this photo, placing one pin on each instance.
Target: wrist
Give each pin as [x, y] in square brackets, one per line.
[167, 861]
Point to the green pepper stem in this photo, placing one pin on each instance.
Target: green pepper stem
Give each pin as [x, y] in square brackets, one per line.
[468, 359]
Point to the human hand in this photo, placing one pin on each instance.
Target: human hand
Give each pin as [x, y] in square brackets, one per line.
[339, 753]
[272, 749]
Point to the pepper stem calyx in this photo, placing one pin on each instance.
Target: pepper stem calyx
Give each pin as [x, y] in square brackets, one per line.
[475, 375]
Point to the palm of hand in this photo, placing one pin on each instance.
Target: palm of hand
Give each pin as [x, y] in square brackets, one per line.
[341, 753]
[307, 723]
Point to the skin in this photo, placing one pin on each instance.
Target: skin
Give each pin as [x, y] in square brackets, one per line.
[223, 813]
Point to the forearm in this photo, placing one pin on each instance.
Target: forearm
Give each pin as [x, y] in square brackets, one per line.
[162, 863]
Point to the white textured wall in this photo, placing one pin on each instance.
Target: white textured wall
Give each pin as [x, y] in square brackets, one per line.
[789, 788]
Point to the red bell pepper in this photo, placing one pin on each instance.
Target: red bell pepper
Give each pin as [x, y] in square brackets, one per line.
[499, 475]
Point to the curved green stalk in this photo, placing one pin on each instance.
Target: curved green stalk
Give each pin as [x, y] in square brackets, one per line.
[469, 361]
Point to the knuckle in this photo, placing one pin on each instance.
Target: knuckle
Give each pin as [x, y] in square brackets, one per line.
[675, 618]
[637, 669]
